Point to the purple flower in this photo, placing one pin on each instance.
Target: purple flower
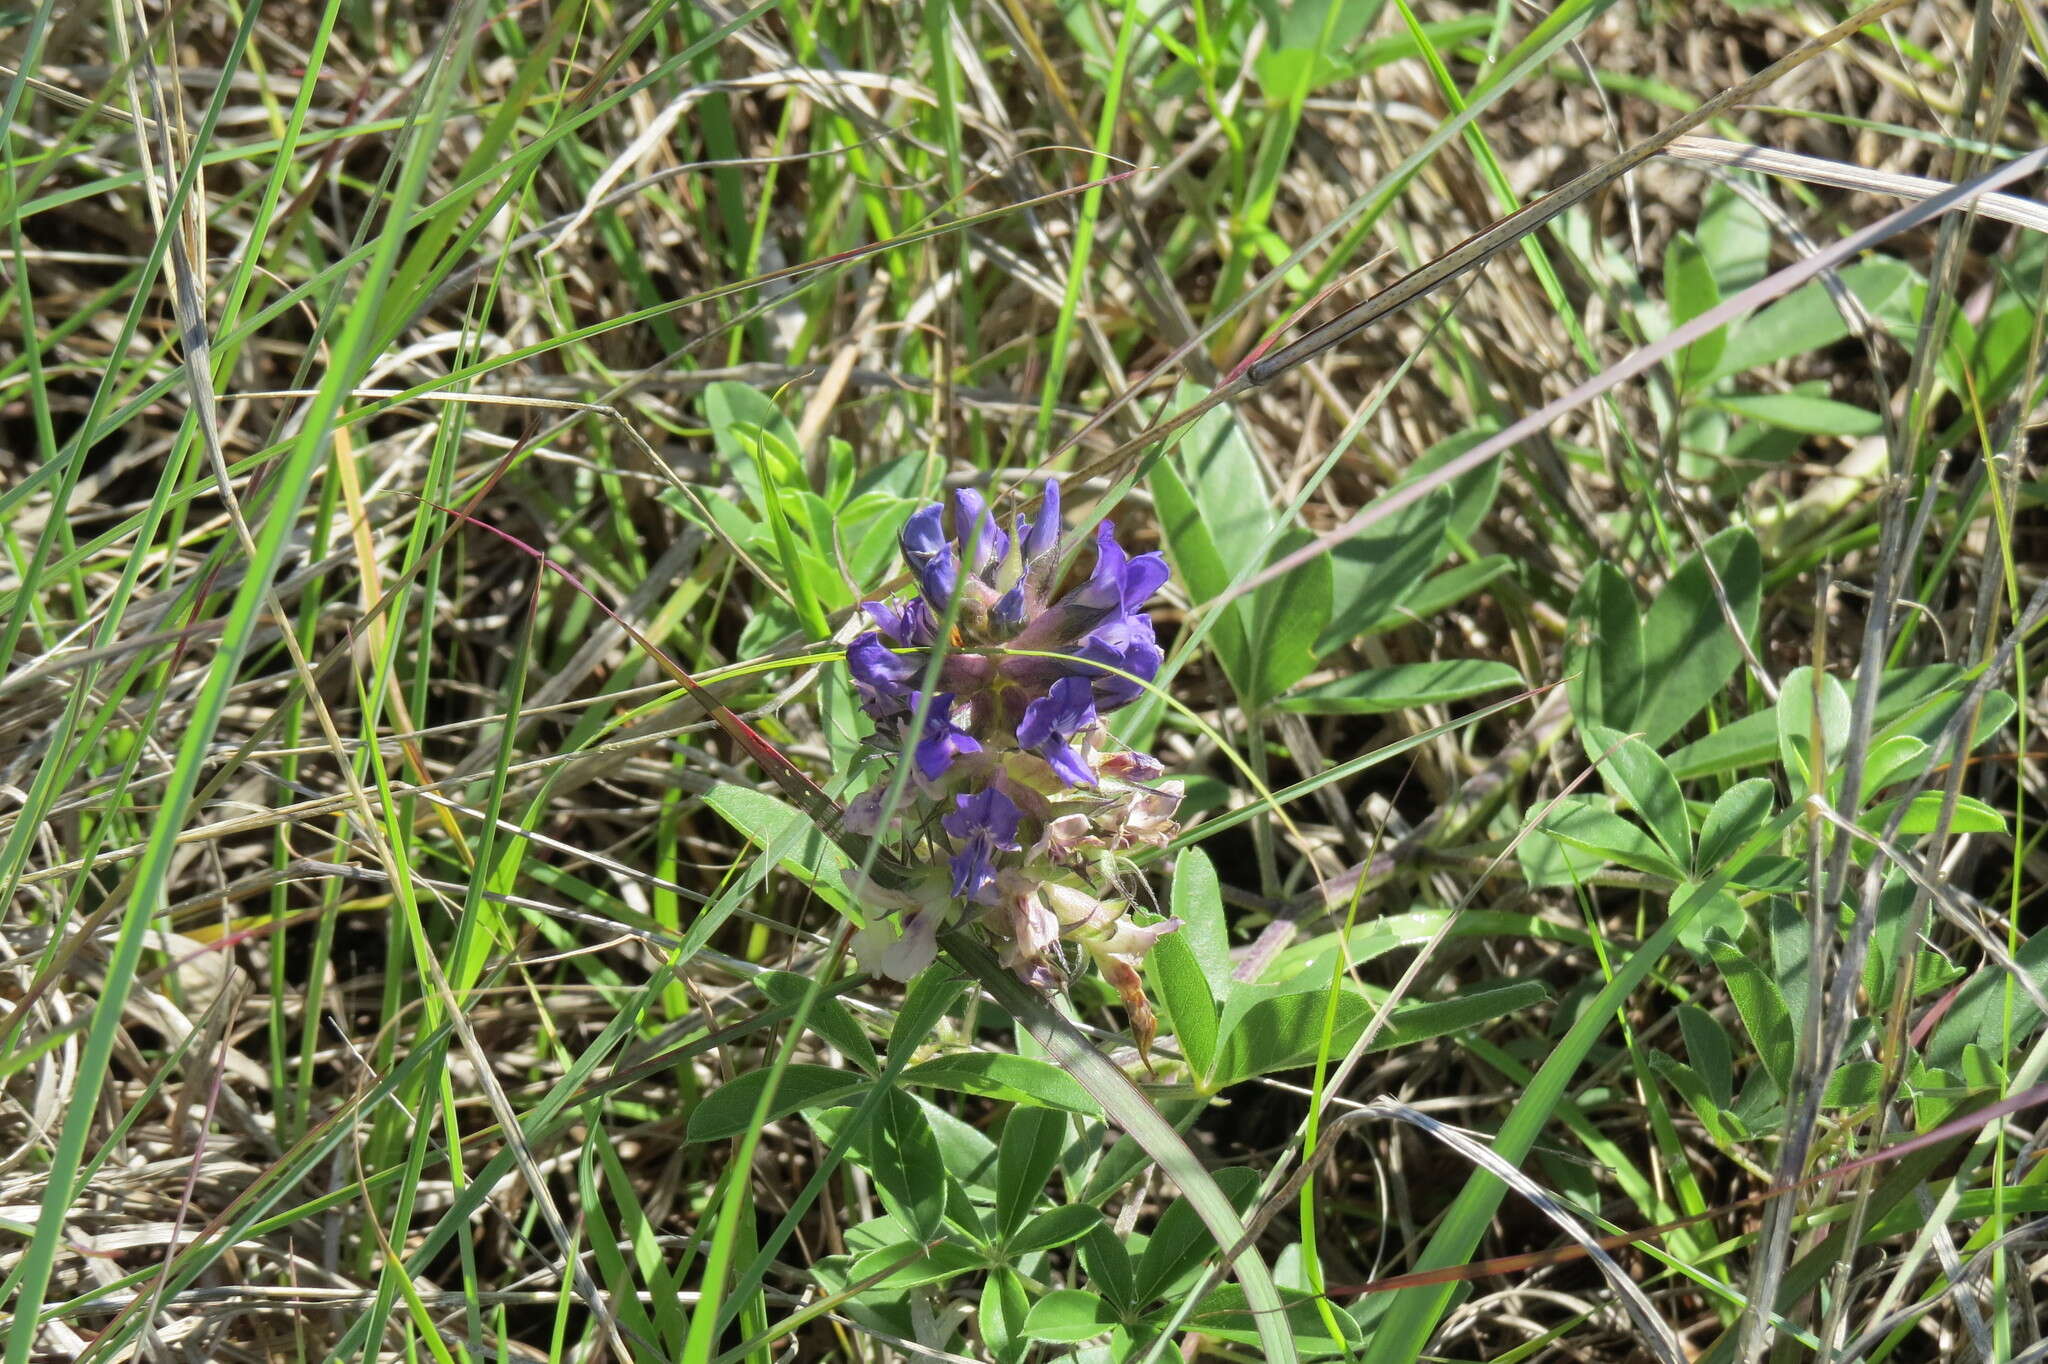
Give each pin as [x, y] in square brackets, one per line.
[930, 556]
[942, 740]
[1039, 536]
[1127, 643]
[1104, 620]
[981, 542]
[1104, 589]
[910, 623]
[881, 679]
[983, 822]
[1052, 721]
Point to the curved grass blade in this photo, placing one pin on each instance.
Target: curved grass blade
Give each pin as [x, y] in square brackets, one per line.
[1413, 1315]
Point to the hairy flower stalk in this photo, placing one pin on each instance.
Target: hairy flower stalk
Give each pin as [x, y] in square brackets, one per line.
[1003, 767]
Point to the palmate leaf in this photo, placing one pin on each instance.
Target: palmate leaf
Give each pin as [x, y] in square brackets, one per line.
[1134, 1113]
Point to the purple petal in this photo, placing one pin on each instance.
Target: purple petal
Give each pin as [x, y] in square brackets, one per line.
[1051, 722]
[1131, 765]
[1040, 535]
[924, 533]
[942, 740]
[930, 557]
[988, 812]
[1105, 585]
[1077, 614]
[881, 679]
[982, 542]
[1066, 763]
[1127, 643]
[911, 623]
[1064, 711]
[984, 822]
[1142, 577]
[974, 869]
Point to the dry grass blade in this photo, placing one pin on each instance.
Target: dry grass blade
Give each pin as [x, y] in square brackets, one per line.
[2031, 214]
[1657, 1336]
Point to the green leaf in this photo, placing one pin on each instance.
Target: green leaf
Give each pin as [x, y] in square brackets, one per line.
[737, 415]
[1374, 572]
[1107, 1267]
[1923, 816]
[968, 1153]
[1603, 655]
[998, 1075]
[1749, 742]
[1689, 290]
[1198, 564]
[1472, 492]
[729, 1110]
[1441, 593]
[1373, 691]
[1182, 987]
[1286, 1031]
[1791, 935]
[1637, 775]
[1287, 617]
[945, 1260]
[1807, 412]
[1742, 809]
[1146, 1125]
[1403, 1327]
[1686, 1082]
[1587, 825]
[1762, 1008]
[1067, 1315]
[1223, 1315]
[1915, 701]
[799, 845]
[1688, 652]
[1030, 1148]
[903, 1158]
[1722, 913]
[1712, 1054]
[1797, 723]
[1899, 758]
[1004, 1308]
[1807, 319]
[1855, 1085]
[1735, 238]
[1306, 42]
[924, 1004]
[1214, 524]
[1178, 1243]
[1126, 1159]
[1374, 938]
[1769, 871]
[1227, 484]
[1437, 1018]
[828, 1018]
[1190, 966]
[1055, 1227]
[1197, 901]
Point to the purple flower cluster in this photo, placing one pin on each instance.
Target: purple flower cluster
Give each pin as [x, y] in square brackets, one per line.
[991, 686]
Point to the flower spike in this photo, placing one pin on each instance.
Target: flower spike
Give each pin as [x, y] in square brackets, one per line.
[1015, 784]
